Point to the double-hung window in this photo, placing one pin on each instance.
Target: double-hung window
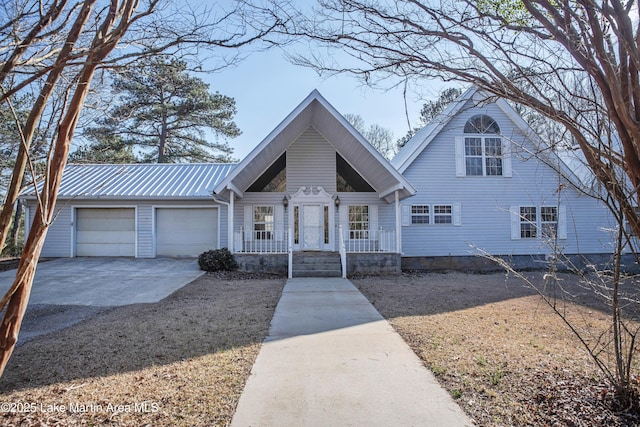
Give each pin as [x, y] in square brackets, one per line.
[482, 151]
[442, 214]
[358, 222]
[528, 222]
[531, 222]
[432, 215]
[549, 221]
[420, 214]
[263, 222]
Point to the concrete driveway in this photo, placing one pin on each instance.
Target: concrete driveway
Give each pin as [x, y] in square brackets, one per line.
[106, 281]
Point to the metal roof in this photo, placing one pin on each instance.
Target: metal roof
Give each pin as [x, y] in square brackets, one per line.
[154, 181]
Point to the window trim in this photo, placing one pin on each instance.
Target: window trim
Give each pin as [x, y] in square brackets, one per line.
[408, 215]
[485, 158]
[268, 232]
[441, 215]
[416, 215]
[366, 224]
[543, 233]
[517, 221]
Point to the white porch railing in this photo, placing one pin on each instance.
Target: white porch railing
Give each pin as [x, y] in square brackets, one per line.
[261, 242]
[290, 257]
[281, 242]
[343, 252]
[360, 241]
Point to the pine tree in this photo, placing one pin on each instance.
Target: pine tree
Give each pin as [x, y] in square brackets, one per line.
[162, 114]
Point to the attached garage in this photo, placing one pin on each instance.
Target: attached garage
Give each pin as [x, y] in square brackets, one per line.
[186, 231]
[105, 232]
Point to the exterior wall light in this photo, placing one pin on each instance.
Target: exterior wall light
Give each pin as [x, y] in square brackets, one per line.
[285, 201]
[337, 201]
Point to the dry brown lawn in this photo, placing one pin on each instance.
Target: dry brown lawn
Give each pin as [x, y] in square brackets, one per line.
[498, 349]
[180, 362]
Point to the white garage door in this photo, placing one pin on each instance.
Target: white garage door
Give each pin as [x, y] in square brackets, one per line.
[186, 231]
[105, 232]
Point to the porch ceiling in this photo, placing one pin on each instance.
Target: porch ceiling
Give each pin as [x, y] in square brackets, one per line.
[317, 112]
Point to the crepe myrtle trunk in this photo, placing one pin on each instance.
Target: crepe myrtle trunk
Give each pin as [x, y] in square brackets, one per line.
[17, 298]
[28, 131]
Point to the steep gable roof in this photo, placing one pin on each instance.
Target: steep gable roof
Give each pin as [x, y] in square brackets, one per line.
[424, 136]
[419, 142]
[316, 111]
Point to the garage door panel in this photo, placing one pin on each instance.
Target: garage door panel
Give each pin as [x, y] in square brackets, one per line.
[105, 232]
[186, 231]
[106, 250]
[104, 224]
[106, 238]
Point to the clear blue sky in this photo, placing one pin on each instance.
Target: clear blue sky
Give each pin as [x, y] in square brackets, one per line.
[266, 88]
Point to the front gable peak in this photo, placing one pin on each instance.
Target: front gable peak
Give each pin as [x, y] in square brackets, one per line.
[317, 113]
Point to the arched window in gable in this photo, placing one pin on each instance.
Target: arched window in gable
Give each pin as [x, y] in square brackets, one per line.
[481, 123]
[482, 150]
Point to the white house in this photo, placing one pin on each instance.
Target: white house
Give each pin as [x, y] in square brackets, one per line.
[474, 179]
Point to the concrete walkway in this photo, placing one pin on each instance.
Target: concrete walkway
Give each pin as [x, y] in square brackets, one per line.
[331, 360]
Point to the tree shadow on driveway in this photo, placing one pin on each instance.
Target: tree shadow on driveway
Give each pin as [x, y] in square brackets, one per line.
[207, 316]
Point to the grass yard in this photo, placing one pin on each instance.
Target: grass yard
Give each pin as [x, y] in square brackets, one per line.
[498, 349]
[180, 362]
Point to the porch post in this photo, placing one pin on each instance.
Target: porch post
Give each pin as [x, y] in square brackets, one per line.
[230, 212]
[398, 224]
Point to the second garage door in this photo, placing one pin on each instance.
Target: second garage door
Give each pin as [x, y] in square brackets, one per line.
[186, 231]
[105, 232]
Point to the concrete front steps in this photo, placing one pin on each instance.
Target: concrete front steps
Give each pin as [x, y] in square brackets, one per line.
[316, 264]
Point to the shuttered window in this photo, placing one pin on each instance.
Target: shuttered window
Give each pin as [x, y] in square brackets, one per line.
[482, 152]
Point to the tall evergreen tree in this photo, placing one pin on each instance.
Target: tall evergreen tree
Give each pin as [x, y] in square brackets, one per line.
[162, 114]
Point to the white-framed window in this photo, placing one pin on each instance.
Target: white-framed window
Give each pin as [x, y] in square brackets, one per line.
[358, 222]
[263, 222]
[549, 221]
[482, 150]
[528, 222]
[420, 214]
[442, 214]
[447, 214]
[532, 222]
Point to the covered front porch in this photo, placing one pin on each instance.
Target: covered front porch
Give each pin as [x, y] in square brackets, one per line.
[313, 185]
[316, 221]
[314, 233]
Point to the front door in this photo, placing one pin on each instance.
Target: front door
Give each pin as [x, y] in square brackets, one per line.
[312, 227]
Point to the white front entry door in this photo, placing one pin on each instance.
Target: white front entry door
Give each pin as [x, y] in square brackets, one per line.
[312, 227]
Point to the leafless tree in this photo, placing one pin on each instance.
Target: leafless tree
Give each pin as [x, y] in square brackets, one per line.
[53, 49]
[379, 137]
[575, 62]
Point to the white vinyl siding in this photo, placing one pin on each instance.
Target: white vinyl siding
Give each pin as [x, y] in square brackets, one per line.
[62, 235]
[186, 231]
[59, 241]
[105, 232]
[483, 222]
[311, 160]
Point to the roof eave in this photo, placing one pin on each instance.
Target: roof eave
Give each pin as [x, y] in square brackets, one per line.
[419, 142]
